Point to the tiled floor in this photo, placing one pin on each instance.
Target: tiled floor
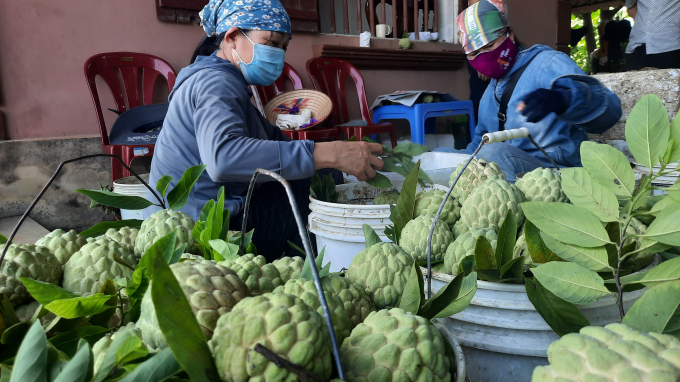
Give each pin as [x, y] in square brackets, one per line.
[29, 232]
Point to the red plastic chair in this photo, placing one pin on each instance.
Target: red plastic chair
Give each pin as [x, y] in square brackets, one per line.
[328, 76]
[129, 66]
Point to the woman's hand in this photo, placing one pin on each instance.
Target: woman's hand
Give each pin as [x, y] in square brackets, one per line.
[354, 158]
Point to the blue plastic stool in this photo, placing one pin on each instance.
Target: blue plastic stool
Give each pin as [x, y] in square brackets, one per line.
[419, 113]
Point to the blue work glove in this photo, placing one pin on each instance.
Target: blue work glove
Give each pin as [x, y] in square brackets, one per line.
[541, 102]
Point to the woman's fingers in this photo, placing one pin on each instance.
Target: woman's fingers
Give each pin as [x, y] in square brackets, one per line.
[375, 148]
[376, 163]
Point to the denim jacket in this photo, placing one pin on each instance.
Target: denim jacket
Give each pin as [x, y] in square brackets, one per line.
[593, 109]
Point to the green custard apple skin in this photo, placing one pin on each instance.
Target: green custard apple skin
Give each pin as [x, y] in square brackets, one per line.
[477, 172]
[383, 269]
[306, 291]
[459, 228]
[358, 301]
[161, 223]
[393, 345]
[211, 289]
[125, 236]
[615, 353]
[542, 185]
[405, 43]
[386, 197]
[30, 261]
[282, 323]
[488, 204]
[415, 234]
[289, 267]
[88, 269]
[62, 244]
[521, 249]
[428, 202]
[102, 346]
[464, 246]
[259, 276]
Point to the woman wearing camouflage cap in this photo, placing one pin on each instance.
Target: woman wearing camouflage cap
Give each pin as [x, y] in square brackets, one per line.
[552, 97]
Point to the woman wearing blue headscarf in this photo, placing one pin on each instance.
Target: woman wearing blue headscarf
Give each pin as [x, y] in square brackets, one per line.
[212, 121]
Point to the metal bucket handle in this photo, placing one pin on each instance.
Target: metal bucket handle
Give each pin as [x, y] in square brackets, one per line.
[308, 250]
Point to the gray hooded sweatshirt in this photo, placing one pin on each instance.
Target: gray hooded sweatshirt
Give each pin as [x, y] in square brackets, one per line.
[212, 121]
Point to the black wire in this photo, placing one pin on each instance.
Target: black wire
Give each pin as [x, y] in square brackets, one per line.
[54, 176]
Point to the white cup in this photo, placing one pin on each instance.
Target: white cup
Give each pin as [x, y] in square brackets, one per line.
[382, 30]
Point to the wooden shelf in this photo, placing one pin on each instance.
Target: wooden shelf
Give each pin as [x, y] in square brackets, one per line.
[393, 59]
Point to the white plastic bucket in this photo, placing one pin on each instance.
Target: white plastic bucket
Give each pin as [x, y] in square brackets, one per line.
[339, 226]
[438, 166]
[502, 334]
[131, 186]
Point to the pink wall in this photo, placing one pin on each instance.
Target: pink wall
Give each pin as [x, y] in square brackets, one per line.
[44, 44]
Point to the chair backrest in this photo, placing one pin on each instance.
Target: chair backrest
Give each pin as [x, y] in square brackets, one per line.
[329, 76]
[266, 93]
[121, 71]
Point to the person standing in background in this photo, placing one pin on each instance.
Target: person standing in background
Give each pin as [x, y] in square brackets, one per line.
[655, 38]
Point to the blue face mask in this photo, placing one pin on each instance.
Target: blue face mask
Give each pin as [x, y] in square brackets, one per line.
[266, 65]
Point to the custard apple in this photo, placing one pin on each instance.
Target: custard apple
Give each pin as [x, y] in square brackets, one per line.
[386, 197]
[280, 322]
[415, 234]
[357, 300]
[88, 269]
[383, 269]
[259, 276]
[289, 267]
[542, 185]
[393, 345]
[125, 236]
[27, 260]
[615, 353]
[488, 204]
[464, 246]
[478, 172]
[189, 256]
[459, 228]
[211, 289]
[102, 346]
[405, 43]
[521, 249]
[62, 244]
[428, 202]
[161, 223]
[306, 291]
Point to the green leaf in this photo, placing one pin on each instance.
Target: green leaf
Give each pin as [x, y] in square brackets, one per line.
[226, 251]
[3, 239]
[513, 268]
[178, 324]
[411, 297]
[463, 298]
[8, 316]
[595, 258]
[539, 252]
[640, 195]
[648, 130]
[403, 211]
[666, 228]
[675, 136]
[130, 350]
[380, 181]
[571, 282]
[162, 185]
[664, 272]
[442, 299]
[492, 275]
[371, 236]
[67, 343]
[410, 149]
[507, 235]
[44, 292]
[5, 373]
[111, 199]
[79, 306]
[30, 364]
[656, 310]
[485, 258]
[567, 223]
[562, 317]
[674, 191]
[207, 207]
[662, 205]
[155, 369]
[109, 361]
[466, 265]
[179, 195]
[12, 338]
[608, 166]
[585, 192]
[628, 282]
[177, 253]
[80, 367]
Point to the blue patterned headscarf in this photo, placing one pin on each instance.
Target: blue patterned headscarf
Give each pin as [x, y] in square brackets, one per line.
[267, 15]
